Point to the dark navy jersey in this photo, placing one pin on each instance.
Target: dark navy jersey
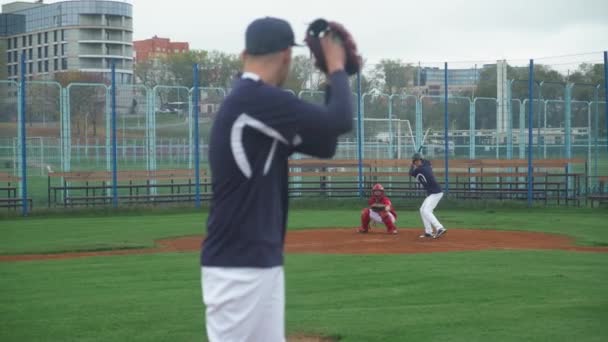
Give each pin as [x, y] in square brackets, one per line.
[424, 175]
[257, 128]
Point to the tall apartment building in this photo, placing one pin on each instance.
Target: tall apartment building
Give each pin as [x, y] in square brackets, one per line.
[79, 35]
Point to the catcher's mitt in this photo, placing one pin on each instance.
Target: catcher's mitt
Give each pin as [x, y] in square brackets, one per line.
[318, 29]
[377, 207]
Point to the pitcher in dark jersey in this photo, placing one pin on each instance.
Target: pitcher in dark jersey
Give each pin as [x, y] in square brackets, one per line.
[257, 128]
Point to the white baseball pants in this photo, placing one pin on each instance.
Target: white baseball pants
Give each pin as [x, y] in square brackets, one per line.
[244, 304]
[374, 216]
[426, 212]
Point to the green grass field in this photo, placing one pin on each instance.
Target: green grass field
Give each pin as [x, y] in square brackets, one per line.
[463, 296]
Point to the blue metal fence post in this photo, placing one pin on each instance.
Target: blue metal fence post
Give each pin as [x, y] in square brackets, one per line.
[24, 208]
[445, 129]
[606, 92]
[197, 161]
[360, 134]
[530, 123]
[538, 122]
[391, 154]
[114, 140]
[510, 120]
[472, 142]
[568, 131]
[596, 124]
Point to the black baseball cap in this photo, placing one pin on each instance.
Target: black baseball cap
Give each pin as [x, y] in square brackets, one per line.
[268, 35]
[416, 156]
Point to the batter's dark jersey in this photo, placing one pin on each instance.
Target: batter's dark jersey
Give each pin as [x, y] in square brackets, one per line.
[256, 129]
[424, 175]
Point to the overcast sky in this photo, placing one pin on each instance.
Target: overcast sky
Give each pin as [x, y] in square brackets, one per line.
[422, 30]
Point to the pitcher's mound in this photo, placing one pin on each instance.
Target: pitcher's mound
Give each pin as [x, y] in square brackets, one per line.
[309, 338]
[348, 241]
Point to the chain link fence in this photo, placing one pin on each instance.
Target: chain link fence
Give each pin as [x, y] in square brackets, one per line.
[70, 129]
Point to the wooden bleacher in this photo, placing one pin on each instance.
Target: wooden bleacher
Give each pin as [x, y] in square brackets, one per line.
[8, 192]
[600, 196]
[91, 188]
[469, 179]
[479, 179]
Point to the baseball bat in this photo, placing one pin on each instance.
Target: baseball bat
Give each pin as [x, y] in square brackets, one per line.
[423, 140]
[409, 127]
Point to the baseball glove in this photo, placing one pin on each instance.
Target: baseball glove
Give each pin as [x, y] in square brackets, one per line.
[378, 207]
[317, 30]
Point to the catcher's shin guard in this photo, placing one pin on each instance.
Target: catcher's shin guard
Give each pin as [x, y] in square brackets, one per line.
[388, 222]
[365, 219]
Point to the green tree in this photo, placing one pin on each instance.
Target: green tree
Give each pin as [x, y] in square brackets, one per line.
[301, 74]
[87, 104]
[219, 69]
[586, 78]
[392, 76]
[553, 82]
[486, 85]
[153, 72]
[366, 83]
[180, 66]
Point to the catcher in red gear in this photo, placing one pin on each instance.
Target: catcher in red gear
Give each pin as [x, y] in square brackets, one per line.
[380, 210]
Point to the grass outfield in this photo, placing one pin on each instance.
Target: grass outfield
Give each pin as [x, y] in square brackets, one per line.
[472, 296]
[462, 296]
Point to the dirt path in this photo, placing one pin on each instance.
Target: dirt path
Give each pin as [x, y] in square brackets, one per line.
[347, 241]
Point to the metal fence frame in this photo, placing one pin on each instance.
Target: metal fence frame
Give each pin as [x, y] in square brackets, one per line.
[526, 108]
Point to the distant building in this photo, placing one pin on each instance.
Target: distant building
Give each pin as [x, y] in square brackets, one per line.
[78, 35]
[433, 79]
[3, 74]
[155, 48]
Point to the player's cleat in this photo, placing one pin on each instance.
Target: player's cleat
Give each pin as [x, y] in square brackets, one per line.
[362, 230]
[391, 231]
[440, 232]
[427, 236]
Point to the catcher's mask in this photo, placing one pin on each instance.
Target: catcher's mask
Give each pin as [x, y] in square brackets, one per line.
[378, 191]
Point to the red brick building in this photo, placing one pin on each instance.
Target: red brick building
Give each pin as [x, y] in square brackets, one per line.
[156, 47]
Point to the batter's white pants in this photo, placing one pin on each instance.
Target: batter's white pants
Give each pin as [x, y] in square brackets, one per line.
[426, 212]
[244, 304]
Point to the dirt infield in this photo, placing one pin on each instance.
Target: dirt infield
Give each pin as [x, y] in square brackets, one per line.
[309, 338]
[347, 241]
